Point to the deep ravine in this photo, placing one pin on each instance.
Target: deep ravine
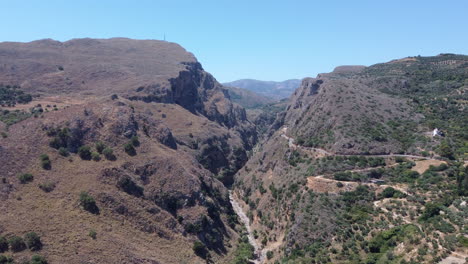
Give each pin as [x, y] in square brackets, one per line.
[259, 253]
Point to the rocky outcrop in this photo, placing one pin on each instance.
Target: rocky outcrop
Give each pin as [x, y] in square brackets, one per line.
[197, 91]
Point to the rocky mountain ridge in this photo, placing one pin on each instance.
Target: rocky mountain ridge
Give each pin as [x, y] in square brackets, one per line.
[130, 140]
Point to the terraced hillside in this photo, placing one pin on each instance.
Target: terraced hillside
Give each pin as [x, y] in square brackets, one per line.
[352, 172]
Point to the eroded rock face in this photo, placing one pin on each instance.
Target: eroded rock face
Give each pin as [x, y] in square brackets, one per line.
[197, 91]
[157, 130]
[125, 123]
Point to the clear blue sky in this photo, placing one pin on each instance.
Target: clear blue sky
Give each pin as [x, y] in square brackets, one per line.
[266, 40]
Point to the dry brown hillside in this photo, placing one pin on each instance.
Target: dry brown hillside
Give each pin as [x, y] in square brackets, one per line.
[161, 133]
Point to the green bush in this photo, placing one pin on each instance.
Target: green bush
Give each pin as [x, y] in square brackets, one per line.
[13, 117]
[244, 252]
[442, 225]
[47, 186]
[64, 138]
[100, 146]
[343, 176]
[45, 162]
[11, 95]
[63, 152]
[200, 249]
[127, 185]
[3, 244]
[6, 260]
[386, 239]
[16, 244]
[36, 259]
[56, 144]
[95, 156]
[130, 149]
[388, 192]
[441, 167]
[430, 210]
[88, 203]
[462, 240]
[399, 159]
[445, 150]
[135, 141]
[92, 233]
[33, 241]
[25, 178]
[84, 152]
[109, 153]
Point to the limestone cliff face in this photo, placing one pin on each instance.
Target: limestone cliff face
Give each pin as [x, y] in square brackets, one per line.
[197, 91]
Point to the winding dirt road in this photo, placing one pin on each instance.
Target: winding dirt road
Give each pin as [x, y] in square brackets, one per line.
[292, 145]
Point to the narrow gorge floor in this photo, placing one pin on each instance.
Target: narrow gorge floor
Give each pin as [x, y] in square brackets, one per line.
[260, 253]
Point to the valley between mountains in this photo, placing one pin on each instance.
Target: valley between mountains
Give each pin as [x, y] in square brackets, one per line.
[128, 151]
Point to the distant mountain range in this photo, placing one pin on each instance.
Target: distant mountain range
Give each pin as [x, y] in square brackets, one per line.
[247, 98]
[275, 90]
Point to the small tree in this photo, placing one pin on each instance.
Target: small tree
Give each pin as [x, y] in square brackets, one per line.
[95, 156]
[33, 241]
[63, 152]
[84, 152]
[135, 141]
[100, 146]
[25, 178]
[16, 244]
[200, 249]
[47, 186]
[430, 210]
[88, 203]
[109, 153]
[388, 192]
[92, 234]
[127, 185]
[445, 150]
[130, 149]
[45, 162]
